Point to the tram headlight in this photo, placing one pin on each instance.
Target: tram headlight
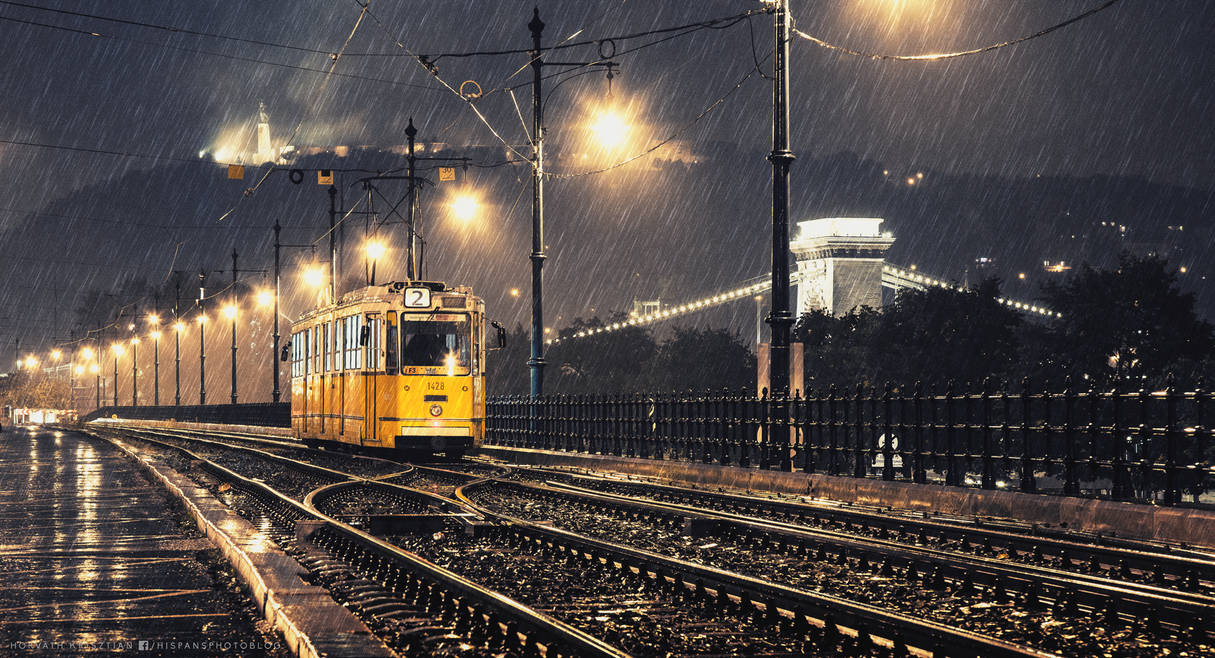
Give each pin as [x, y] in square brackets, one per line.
[436, 410]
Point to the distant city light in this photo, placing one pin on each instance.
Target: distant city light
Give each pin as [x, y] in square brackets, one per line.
[514, 292]
[911, 181]
[1021, 275]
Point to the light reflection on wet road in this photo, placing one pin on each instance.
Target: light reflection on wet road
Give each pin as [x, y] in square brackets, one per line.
[90, 554]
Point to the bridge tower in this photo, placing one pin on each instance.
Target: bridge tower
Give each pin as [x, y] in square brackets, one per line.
[839, 260]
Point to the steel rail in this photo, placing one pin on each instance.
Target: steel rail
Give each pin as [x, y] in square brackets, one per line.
[553, 634]
[896, 628]
[1133, 600]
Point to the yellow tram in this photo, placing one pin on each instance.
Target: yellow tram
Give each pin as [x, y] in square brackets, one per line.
[398, 367]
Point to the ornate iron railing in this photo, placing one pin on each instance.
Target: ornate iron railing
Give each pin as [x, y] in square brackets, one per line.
[1122, 444]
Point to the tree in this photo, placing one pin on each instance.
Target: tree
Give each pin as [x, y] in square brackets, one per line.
[708, 359]
[931, 335]
[610, 362]
[506, 371]
[1127, 322]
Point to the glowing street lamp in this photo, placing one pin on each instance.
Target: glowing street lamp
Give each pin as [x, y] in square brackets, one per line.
[609, 129]
[314, 276]
[56, 354]
[265, 298]
[374, 250]
[465, 206]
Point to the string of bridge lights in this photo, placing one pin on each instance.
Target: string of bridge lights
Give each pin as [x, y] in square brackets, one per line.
[913, 279]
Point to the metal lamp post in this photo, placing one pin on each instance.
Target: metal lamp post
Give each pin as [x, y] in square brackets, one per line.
[116, 348]
[135, 371]
[780, 319]
[156, 366]
[536, 361]
[202, 342]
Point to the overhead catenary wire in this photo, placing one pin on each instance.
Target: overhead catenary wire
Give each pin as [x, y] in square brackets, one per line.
[212, 53]
[932, 57]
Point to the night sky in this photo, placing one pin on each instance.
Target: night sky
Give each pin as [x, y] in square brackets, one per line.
[1124, 96]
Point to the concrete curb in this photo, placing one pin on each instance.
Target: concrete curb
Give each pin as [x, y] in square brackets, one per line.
[296, 610]
[1192, 526]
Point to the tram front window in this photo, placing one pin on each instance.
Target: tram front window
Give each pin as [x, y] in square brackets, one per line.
[435, 344]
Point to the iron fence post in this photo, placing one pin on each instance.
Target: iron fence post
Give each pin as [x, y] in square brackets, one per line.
[1172, 493]
[951, 448]
[887, 434]
[918, 472]
[1119, 475]
[1071, 481]
[1028, 484]
[989, 467]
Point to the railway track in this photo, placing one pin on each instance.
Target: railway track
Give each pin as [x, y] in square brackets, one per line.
[952, 589]
[1165, 565]
[618, 561]
[414, 606]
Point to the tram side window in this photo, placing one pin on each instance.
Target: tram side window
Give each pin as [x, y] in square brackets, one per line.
[314, 346]
[295, 355]
[373, 344]
[350, 342]
[390, 344]
[299, 343]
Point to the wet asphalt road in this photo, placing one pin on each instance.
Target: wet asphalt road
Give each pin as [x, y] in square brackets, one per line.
[93, 559]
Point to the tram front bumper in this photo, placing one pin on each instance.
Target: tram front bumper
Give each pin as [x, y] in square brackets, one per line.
[436, 439]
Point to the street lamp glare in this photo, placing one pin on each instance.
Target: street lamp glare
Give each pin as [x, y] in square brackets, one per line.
[94, 368]
[314, 276]
[464, 207]
[31, 362]
[179, 326]
[230, 311]
[265, 298]
[609, 128]
[118, 349]
[56, 354]
[134, 340]
[153, 319]
[374, 249]
[155, 335]
[87, 353]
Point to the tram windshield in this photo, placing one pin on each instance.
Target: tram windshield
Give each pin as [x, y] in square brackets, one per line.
[442, 344]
